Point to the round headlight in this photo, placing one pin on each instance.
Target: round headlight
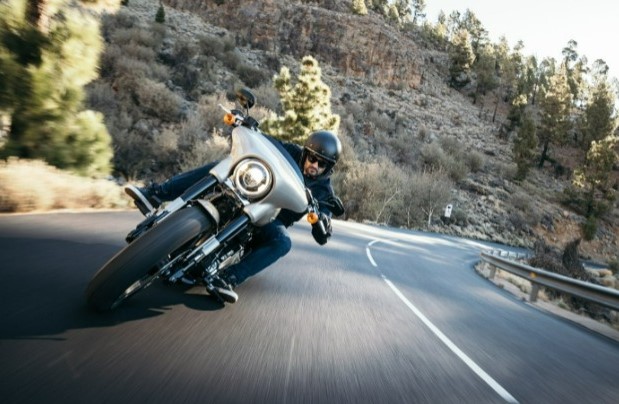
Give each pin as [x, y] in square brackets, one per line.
[252, 179]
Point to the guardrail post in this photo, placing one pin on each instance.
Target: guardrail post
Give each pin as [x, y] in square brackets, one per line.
[534, 292]
[605, 296]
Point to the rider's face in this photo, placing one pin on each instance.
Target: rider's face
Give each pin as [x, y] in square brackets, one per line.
[313, 165]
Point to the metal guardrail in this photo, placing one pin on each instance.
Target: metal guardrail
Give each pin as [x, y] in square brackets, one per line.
[538, 277]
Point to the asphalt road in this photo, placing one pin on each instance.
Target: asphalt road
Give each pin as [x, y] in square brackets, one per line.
[375, 316]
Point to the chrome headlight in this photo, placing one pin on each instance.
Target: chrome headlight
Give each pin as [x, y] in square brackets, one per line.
[252, 178]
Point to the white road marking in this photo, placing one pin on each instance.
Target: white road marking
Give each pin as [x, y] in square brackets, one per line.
[367, 252]
[468, 361]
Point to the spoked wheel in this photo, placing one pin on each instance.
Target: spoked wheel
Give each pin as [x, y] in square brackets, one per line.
[136, 266]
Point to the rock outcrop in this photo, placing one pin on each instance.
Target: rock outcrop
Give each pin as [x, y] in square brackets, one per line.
[356, 46]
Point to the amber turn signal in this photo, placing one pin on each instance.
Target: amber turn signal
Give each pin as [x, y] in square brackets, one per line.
[312, 217]
[229, 119]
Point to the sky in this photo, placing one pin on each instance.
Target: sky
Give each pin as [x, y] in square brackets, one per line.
[546, 26]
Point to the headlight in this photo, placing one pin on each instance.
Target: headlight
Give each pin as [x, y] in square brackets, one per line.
[252, 178]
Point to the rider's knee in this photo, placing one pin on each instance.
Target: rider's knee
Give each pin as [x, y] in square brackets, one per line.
[282, 244]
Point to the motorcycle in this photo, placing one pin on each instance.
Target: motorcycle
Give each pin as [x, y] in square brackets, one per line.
[194, 238]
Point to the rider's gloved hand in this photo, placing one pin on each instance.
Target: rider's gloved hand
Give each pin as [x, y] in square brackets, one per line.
[321, 230]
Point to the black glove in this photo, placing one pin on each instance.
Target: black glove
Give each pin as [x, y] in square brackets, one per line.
[321, 230]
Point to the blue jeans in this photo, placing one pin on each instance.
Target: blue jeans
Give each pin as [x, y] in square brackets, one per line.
[270, 243]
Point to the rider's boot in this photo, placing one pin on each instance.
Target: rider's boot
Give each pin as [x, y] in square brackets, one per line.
[145, 199]
[223, 288]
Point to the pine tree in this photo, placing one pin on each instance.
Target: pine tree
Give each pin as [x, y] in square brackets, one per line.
[160, 16]
[598, 118]
[52, 54]
[524, 147]
[555, 107]
[393, 13]
[593, 176]
[485, 74]
[575, 70]
[478, 35]
[419, 11]
[461, 59]
[306, 104]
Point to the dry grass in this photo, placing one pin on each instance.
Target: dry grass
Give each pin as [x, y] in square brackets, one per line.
[29, 185]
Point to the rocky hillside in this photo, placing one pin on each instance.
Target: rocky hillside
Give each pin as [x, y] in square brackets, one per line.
[366, 61]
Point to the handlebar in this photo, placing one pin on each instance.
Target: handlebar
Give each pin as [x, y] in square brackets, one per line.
[236, 118]
[313, 213]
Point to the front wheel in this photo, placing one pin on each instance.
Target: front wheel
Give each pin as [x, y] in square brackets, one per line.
[135, 267]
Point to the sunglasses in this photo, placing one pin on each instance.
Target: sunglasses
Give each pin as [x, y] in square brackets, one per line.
[313, 159]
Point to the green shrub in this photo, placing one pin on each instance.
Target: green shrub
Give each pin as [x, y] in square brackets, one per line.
[589, 228]
[160, 16]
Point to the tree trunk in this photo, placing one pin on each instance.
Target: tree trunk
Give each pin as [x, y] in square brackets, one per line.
[496, 107]
[37, 14]
[544, 155]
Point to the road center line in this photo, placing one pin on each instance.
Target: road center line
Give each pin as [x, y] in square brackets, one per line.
[468, 361]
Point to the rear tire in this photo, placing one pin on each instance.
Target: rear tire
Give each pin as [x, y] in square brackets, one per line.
[132, 268]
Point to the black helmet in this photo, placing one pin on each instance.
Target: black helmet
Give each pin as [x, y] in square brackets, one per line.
[325, 145]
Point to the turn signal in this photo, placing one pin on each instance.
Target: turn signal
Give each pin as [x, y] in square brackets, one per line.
[229, 119]
[312, 218]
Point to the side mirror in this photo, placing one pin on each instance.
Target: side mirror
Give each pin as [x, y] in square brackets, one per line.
[336, 206]
[246, 98]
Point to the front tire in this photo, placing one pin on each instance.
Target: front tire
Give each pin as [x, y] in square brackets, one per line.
[131, 269]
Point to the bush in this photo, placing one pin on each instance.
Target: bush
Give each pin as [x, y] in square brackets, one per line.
[589, 228]
[158, 100]
[215, 46]
[474, 161]
[133, 50]
[370, 190]
[101, 97]
[435, 158]
[251, 76]
[113, 22]
[267, 97]
[32, 185]
[425, 196]
[147, 37]
[188, 77]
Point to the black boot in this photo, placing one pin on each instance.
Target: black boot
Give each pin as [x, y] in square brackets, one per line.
[145, 199]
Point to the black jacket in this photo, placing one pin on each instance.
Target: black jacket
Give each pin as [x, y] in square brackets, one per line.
[321, 190]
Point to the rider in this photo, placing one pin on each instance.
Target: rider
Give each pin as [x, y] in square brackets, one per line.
[316, 160]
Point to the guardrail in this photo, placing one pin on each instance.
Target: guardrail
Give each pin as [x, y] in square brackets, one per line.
[538, 277]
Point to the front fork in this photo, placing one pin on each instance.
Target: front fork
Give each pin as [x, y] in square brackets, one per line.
[233, 229]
